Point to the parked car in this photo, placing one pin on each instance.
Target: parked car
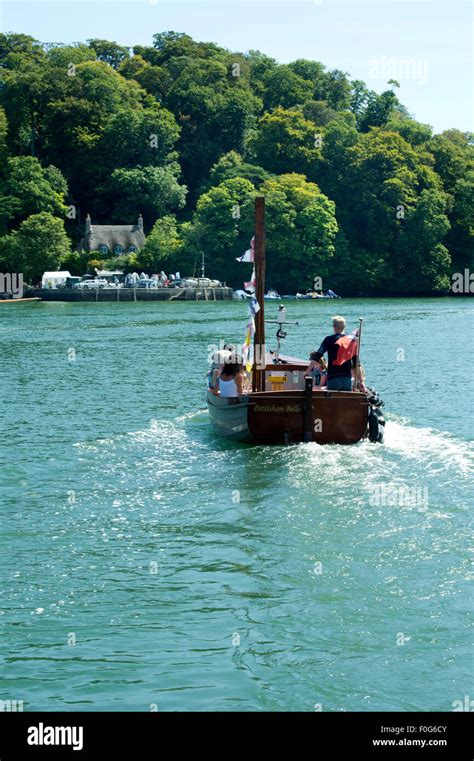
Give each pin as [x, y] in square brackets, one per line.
[98, 282]
[199, 282]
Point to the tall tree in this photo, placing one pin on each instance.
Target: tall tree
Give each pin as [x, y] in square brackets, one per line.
[285, 88]
[214, 113]
[286, 140]
[40, 244]
[154, 191]
[420, 261]
[302, 227]
[399, 197]
[30, 189]
[453, 153]
[379, 109]
[163, 247]
[109, 52]
[232, 165]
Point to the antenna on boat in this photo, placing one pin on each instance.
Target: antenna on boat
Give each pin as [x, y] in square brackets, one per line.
[259, 353]
[281, 333]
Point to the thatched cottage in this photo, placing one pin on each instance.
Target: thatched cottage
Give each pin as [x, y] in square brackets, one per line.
[113, 239]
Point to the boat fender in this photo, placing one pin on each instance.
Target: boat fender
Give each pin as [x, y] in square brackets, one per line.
[376, 426]
[374, 398]
[380, 416]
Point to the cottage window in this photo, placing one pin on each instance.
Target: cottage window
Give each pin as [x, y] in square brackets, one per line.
[118, 249]
[132, 249]
[103, 249]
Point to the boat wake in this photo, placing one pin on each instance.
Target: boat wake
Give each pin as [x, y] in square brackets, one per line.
[416, 469]
[405, 447]
[435, 451]
[429, 446]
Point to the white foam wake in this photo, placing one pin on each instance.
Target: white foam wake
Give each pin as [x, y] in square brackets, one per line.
[429, 445]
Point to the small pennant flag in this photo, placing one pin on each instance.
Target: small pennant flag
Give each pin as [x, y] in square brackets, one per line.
[254, 306]
[249, 255]
[246, 348]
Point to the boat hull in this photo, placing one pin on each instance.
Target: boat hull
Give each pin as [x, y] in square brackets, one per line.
[282, 417]
[229, 417]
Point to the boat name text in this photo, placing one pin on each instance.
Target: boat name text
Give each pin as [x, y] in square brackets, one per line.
[273, 408]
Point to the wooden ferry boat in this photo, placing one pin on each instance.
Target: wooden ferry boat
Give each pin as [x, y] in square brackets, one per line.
[282, 407]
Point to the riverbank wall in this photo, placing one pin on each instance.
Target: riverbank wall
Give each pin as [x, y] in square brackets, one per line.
[220, 293]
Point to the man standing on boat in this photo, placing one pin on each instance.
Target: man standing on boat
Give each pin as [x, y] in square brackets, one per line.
[341, 358]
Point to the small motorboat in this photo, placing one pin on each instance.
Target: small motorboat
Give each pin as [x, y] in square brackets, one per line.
[272, 295]
[280, 405]
[315, 295]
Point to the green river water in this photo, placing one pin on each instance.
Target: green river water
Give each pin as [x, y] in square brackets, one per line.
[147, 565]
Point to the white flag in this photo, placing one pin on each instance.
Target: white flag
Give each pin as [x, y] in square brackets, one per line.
[249, 255]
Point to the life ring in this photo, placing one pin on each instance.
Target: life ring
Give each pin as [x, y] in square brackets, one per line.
[376, 425]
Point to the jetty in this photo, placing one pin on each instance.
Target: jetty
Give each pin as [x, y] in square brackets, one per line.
[215, 293]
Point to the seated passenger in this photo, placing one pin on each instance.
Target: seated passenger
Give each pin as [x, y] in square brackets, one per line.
[230, 381]
[320, 378]
[318, 369]
[219, 360]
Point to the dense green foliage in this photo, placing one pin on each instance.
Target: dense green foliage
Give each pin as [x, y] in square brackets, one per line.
[358, 192]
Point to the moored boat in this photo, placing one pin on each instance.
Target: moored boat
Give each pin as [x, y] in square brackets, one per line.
[272, 295]
[315, 295]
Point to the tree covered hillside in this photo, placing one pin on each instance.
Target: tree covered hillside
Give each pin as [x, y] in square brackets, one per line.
[358, 192]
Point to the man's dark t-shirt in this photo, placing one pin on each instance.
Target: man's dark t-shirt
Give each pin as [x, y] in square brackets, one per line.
[329, 345]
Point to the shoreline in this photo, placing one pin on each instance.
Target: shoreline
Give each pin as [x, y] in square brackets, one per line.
[220, 293]
[185, 294]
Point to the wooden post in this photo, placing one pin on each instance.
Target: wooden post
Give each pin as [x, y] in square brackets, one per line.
[308, 409]
[258, 379]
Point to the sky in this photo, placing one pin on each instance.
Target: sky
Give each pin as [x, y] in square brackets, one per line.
[424, 44]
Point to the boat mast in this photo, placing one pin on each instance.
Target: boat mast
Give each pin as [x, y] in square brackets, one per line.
[259, 351]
